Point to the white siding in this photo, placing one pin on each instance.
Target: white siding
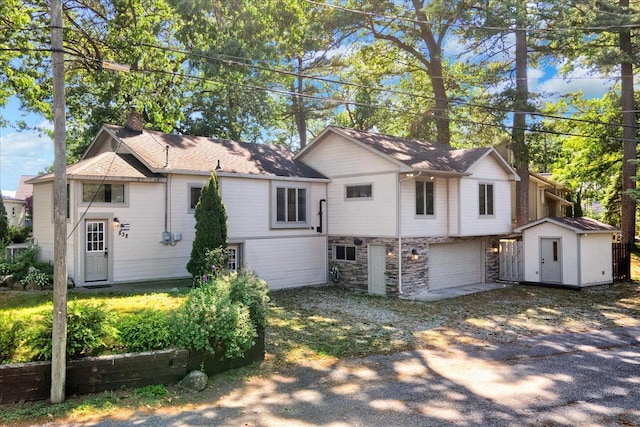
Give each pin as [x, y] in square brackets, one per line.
[43, 219]
[366, 217]
[288, 262]
[471, 223]
[430, 225]
[596, 259]
[568, 252]
[488, 168]
[334, 156]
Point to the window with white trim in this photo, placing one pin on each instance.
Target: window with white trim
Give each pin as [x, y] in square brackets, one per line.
[486, 199]
[344, 253]
[102, 193]
[233, 257]
[290, 205]
[424, 198]
[361, 191]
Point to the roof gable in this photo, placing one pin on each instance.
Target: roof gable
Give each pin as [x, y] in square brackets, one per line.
[168, 153]
[415, 154]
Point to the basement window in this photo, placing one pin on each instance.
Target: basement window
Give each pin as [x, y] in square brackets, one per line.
[344, 253]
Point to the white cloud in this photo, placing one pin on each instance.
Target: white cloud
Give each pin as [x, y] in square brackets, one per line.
[23, 153]
[579, 79]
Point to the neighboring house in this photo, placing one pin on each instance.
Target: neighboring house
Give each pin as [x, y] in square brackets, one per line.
[546, 198]
[388, 215]
[569, 252]
[132, 199]
[16, 205]
[407, 216]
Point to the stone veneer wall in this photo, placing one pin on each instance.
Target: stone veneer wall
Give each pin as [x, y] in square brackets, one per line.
[415, 277]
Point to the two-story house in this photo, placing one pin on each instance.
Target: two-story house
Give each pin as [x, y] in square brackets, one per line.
[384, 214]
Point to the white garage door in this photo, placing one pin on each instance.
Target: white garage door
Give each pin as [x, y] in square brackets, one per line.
[455, 264]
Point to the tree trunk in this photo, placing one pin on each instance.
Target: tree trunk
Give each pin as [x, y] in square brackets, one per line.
[628, 204]
[519, 146]
[299, 111]
[59, 334]
[441, 110]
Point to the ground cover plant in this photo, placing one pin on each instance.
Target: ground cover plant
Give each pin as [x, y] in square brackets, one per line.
[322, 325]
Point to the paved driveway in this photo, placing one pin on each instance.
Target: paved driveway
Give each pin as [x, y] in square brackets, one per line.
[566, 379]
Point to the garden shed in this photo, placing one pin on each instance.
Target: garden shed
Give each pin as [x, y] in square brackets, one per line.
[567, 252]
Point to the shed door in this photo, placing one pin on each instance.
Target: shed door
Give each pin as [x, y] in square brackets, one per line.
[377, 268]
[96, 253]
[550, 261]
[455, 264]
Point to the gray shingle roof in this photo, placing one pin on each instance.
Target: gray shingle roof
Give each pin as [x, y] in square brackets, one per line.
[201, 154]
[416, 153]
[585, 224]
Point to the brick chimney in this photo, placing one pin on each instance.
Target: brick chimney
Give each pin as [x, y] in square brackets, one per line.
[134, 121]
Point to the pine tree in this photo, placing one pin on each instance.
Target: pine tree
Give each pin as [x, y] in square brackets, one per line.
[4, 222]
[211, 226]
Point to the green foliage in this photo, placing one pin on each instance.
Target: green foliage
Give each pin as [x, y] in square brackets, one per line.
[39, 278]
[211, 321]
[21, 262]
[211, 227]
[4, 222]
[10, 336]
[152, 391]
[18, 234]
[252, 291]
[145, 331]
[89, 331]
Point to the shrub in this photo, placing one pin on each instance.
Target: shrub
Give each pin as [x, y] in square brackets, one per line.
[39, 278]
[211, 226]
[210, 321]
[10, 333]
[249, 289]
[89, 331]
[145, 331]
[18, 234]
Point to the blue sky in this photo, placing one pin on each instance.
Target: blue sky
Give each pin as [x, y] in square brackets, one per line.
[29, 153]
[22, 153]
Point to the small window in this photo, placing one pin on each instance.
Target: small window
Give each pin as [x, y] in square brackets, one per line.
[359, 191]
[233, 257]
[102, 193]
[344, 253]
[486, 199]
[194, 196]
[424, 198]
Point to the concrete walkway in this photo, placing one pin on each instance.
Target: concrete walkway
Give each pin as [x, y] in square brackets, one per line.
[439, 294]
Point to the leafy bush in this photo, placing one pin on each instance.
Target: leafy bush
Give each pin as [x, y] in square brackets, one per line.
[145, 331]
[18, 234]
[89, 331]
[10, 333]
[39, 278]
[249, 289]
[210, 321]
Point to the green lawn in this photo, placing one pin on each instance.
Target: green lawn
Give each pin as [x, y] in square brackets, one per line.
[322, 325]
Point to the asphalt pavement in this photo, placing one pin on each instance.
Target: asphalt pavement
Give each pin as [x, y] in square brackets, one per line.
[578, 379]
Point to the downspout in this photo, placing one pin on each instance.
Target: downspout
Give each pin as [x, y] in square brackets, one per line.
[166, 236]
[399, 226]
[319, 228]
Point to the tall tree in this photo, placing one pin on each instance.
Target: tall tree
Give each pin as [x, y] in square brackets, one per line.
[211, 226]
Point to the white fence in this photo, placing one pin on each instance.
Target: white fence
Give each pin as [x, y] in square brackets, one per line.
[511, 263]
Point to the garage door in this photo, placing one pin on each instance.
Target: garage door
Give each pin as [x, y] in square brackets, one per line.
[455, 264]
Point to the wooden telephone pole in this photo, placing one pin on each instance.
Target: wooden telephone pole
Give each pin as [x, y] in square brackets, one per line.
[59, 334]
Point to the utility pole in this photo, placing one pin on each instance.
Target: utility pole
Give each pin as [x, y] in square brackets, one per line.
[59, 334]
[629, 134]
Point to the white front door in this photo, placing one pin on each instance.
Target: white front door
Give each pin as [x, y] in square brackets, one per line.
[550, 262]
[96, 258]
[377, 268]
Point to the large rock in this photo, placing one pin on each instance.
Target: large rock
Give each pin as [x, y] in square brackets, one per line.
[195, 381]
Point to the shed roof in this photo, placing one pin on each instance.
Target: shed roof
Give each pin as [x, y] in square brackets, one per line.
[581, 225]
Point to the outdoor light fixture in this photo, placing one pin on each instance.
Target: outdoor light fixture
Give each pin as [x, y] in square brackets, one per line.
[389, 251]
[357, 241]
[414, 255]
[495, 248]
[116, 222]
